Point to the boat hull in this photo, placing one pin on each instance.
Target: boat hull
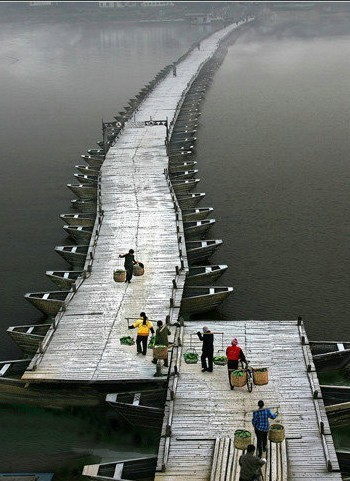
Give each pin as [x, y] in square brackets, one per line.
[86, 206]
[80, 234]
[209, 275]
[73, 257]
[190, 200]
[198, 254]
[84, 191]
[203, 303]
[189, 215]
[64, 279]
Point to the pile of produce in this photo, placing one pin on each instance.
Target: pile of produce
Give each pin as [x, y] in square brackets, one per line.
[276, 427]
[191, 357]
[242, 433]
[127, 340]
[260, 369]
[220, 360]
[238, 373]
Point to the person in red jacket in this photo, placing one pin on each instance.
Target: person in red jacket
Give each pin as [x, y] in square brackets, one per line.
[234, 354]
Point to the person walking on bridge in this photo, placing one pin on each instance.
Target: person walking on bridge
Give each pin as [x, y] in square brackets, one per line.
[144, 326]
[234, 354]
[207, 349]
[261, 425]
[129, 264]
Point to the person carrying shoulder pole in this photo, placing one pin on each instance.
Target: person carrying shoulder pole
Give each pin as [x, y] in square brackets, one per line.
[144, 326]
[261, 425]
[129, 264]
[161, 338]
[207, 349]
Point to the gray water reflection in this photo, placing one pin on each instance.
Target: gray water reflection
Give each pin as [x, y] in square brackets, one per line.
[273, 156]
[57, 82]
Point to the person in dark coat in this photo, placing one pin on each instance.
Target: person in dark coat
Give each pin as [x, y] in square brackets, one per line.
[161, 338]
[129, 264]
[250, 465]
[207, 349]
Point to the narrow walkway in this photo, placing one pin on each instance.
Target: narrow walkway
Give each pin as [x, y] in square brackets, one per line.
[139, 214]
[205, 408]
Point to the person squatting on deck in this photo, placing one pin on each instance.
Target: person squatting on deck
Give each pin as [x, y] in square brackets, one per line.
[207, 349]
[261, 425]
[234, 354]
[144, 327]
[161, 338]
[129, 264]
[250, 465]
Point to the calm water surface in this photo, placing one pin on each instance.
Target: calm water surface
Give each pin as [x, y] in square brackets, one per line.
[273, 159]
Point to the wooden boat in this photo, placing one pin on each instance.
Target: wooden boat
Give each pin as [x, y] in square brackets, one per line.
[92, 161]
[84, 191]
[87, 170]
[94, 152]
[47, 302]
[143, 408]
[339, 413]
[183, 174]
[183, 186]
[64, 279]
[197, 228]
[26, 476]
[14, 390]
[80, 234]
[199, 275]
[179, 156]
[176, 160]
[29, 337]
[86, 179]
[334, 394]
[86, 220]
[182, 143]
[183, 132]
[177, 149]
[187, 201]
[75, 255]
[196, 214]
[330, 355]
[175, 167]
[86, 206]
[201, 250]
[197, 299]
[343, 456]
[99, 157]
[126, 470]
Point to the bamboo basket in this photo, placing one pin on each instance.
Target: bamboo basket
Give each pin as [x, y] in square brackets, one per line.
[242, 442]
[119, 275]
[260, 376]
[138, 270]
[238, 381]
[276, 433]
[160, 352]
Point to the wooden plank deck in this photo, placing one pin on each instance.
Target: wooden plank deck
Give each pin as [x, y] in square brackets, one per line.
[205, 408]
[139, 214]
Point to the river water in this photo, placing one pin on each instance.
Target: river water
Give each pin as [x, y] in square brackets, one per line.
[272, 154]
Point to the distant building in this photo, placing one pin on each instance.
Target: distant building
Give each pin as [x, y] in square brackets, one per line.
[42, 4]
[117, 4]
[157, 4]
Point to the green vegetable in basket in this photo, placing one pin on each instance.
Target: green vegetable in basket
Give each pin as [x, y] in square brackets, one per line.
[220, 359]
[191, 357]
[242, 433]
[276, 427]
[238, 373]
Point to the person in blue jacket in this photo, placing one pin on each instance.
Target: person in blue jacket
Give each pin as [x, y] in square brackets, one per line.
[261, 425]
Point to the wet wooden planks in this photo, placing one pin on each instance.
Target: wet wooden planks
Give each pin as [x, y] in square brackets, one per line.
[205, 408]
[138, 213]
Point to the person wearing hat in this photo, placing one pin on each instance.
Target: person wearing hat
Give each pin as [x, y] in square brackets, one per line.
[207, 349]
[234, 354]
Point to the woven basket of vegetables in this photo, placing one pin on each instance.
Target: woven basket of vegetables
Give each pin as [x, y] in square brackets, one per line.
[238, 378]
[242, 439]
[191, 357]
[260, 376]
[276, 433]
[220, 360]
[127, 341]
[160, 352]
[138, 270]
[119, 275]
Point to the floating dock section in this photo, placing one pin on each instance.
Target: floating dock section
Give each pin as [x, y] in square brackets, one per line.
[203, 413]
